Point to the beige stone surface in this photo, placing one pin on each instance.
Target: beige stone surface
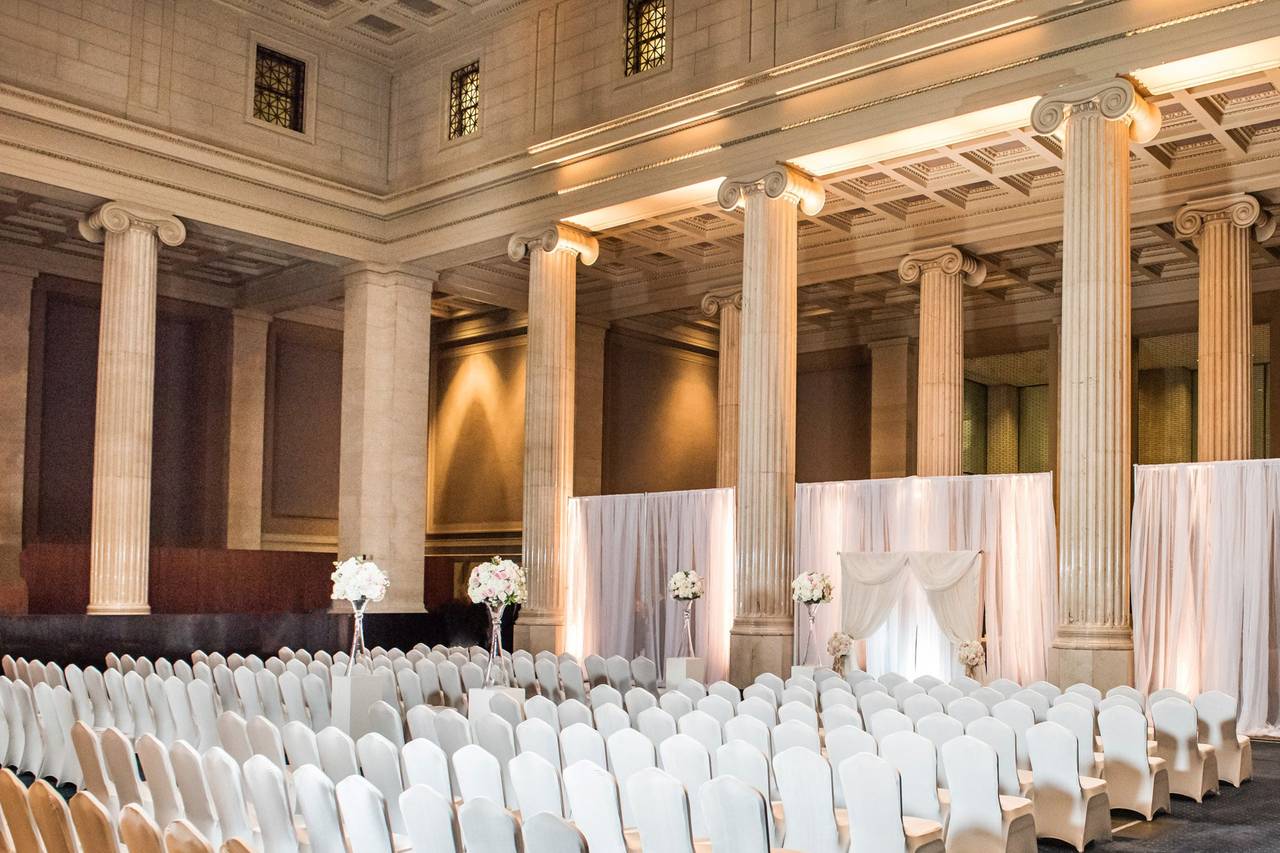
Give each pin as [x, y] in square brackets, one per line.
[386, 345]
[588, 409]
[15, 323]
[893, 407]
[245, 432]
[729, 374]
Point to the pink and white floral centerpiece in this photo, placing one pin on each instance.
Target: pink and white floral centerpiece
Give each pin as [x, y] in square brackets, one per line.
[686, 587]
[811, 589]
[840, 646]
[496, 584]
[358, 580]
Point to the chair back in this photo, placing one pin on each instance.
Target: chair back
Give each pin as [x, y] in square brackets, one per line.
[975, 821]
[226, 785]
[183, 837]
[629, 752]
[197, 799]
[138, 831]
[596, 809]
[1003, 742]
[1078, 721]
[662, 808]
[478, 774]
[736, 816]
[431, 820]
[265, 782]
[364, 815]
[875, 803]
[580, 742]
[380, 764]
[548, 833]
[804, 780]
[939, 728]
[52, 818]
[425, 763]
[915, 759]
[656, 724]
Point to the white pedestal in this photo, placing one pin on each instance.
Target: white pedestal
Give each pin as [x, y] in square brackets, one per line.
[478, 699]
[678, 669]
[803, 671]
[352, 697]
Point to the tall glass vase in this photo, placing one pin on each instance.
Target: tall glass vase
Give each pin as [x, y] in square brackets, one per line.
[686, 635]
[495, 644]
[810, 648]
[359, 653]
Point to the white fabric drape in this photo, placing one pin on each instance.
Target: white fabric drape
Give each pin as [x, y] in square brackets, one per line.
[623, 550]
[1205, 567]
[952, 584]
[872, 585]
[1008, 517]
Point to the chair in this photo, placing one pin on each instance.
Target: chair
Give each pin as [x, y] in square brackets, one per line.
[997, 735]
[1034, 700]
[454, 732]
[727, 692]
[1135, 780]
[318, 805]
[572, 682]
[905, 690]
[746, 763]
[166, 802]
[916, 760]
[23, 832]
[752, 731]
[717, 706]
[548, 673]
[688, 761]
[496, 736]
[888, 721]
[451, 685]
[265, 739]
[877, 819]
[833, 697]
[1079, 721]
[865, 688]
[536, 785]
[874, 703]
[703, 728]
[233, 734]
[197, 799]
[946, 694]
[571, 712]
[52, 817]
[662, 808]
[226, 785]
[1113, 701]
[938, 729]
[843, 744]
[1019, 717]
[1094, 694]
[629, 752]
[980, 819]
[424, 763]
[804, 780]
[619, 673]
[801, 694]
[737, 816]
[794, 733]
[138, 831]
[762, 692]
[1216, 712]
[694, 690]
[364, 815]
[759, 708]
[478, 774]
[656, 724]
[636, 700]
[610, 718]
[1006, 686]
[799, 712]
[1068, 806]
[774, 683]
[890, 680]
[538, 737]
[548, 833]
[122, 766]
[93, 766]
[645, 673]
[542, 708]
[841, 715]
[266, 785]
[1192, 766]
[597, 669]
[988, 696]
[920, 705]
[596, 809]
[380, 764]
[385, 720]
[94, 827]
[431, 820]
[337, 754]
[1129, 693]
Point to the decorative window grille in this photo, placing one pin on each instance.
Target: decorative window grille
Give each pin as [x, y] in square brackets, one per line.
[646, 34]
[464, 101]
[279, 83]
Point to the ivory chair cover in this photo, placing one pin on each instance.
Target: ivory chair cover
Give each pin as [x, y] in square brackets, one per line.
[138, 831]
[266, 786]
[197, 799]
[1068, 806]
[966, 709]
[380, 764]
[748, 764]
[580, 742]
[1216, 712]
[479, 775]
[536, 784]
[1080, 723]
[844, 743]
[813, 825]
[981, 820]
[1136, 781]
[1192, 766]
[662, 808]
[997, 735]
[916, 760]
[689, 761]
[657, 725]
[938, 729]
[431, 820]
[737, 816]
[547, 833]
[318, 805]
[364, 815]
[596, 809]
[337, 754]
[227, 787]
[629, 752]
[876, 818]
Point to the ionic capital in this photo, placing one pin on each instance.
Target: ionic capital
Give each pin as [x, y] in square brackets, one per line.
[1115, 99]
[119, 216]
[782, 181]
[712, 303]
[558, 237]
[948, 259]
[1238, 209]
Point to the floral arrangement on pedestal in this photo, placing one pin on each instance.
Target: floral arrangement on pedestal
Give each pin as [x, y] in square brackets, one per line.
[358, 580]
[811, 589]
[496, 584]
[840, 646]
[686, 587]
[973, 655]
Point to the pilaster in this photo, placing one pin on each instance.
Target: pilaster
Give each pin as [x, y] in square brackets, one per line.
[728, 306]
[247, 422]
[15, 342]
[893, 407]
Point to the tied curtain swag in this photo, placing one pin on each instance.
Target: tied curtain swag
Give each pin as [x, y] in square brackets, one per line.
[623, 550]
[1205, 556]
[874, 585]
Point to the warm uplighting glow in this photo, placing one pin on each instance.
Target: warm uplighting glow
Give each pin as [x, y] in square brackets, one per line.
[1209, 67]
[647, 207]
[921, 138]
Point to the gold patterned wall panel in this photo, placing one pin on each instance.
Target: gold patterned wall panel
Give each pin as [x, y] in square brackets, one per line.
[1033, 429]
[1165, 423]
[973, 453]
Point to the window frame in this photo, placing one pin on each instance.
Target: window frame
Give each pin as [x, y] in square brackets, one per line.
[632, 42]
[310, 83]
[456, 74]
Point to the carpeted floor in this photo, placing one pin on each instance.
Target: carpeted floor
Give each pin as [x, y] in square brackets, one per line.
[1235, 821]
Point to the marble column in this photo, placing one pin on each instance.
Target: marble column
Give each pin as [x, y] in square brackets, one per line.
[729, 307]
[120, 536]
[1222, 229]
[553, 255]
[15, 342]
[761, 638]
[247, 422]
[1094, 639]
[942, 275]
[382, 468]
[893, 414]
[588, 407]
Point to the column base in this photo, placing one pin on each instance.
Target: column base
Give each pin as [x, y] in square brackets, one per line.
[755, 651]
[119, 610]
[1103, 668]
[538, 636]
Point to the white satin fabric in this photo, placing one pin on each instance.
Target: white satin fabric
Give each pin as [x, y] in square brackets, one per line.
[1008, 517]
[624, 548]
[1205, 558]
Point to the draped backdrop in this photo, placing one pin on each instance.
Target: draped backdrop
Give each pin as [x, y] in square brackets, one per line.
[1008, 517]
[1205, 566]
[624, 548]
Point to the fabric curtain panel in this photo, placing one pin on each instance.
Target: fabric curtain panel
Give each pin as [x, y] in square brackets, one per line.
[1205, 565]
[952, 584]
[1008, 517]
[624, 548]
[871, 586]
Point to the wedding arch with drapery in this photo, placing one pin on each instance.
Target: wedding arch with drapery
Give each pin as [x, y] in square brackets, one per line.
[1008, 517]
[624, 548]
[1205, 564]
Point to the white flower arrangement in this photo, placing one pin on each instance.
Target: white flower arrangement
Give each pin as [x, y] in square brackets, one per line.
[357, 578]
[840, 645]
[498, 583]
[971, 653]
[685, 586]
[811, 588]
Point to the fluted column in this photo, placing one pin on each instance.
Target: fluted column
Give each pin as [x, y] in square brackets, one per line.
[1222, 228]
[761, 638]
[120, 538]
[15, 344]
[245, 433]
[548, 425]
[1094, 639]
[729, 307]
[942, 275]
[382, 467]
